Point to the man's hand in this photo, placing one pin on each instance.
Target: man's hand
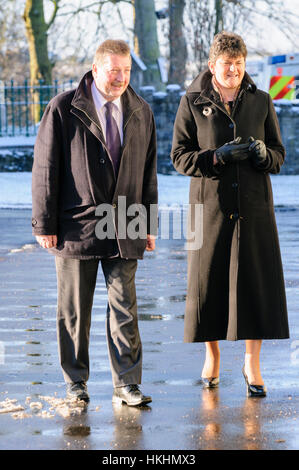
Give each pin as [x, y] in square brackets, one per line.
[150, 243]
[47, 241]
[231, 152]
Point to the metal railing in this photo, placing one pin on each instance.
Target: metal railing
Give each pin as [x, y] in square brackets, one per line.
[22, 105]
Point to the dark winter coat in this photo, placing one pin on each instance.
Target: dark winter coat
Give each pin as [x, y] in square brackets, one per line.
[73, 174]
[235, 280]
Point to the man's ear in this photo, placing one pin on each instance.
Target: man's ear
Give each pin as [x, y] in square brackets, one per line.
[94, 69]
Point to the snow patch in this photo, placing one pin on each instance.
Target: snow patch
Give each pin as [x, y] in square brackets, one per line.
[15, 190]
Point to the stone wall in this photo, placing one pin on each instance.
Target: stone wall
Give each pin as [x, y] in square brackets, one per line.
[164, 106]
[288, 116]
[19, 158]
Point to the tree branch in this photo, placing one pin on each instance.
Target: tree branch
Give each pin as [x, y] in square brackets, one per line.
[56, 7]
[98, 4]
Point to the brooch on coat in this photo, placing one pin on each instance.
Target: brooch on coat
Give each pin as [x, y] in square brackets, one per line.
[207, 111]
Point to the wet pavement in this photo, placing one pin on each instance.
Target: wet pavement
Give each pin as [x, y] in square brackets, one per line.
[182, 415]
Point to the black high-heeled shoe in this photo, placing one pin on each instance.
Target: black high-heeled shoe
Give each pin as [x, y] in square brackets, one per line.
[210, 382]
[254, 390]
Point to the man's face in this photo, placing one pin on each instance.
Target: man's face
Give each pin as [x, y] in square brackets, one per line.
[112, 75]
[228, 71]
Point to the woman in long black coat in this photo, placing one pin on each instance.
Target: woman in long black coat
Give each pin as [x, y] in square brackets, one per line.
[227, 138]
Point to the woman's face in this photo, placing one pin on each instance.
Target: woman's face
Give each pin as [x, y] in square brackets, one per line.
[228, 71]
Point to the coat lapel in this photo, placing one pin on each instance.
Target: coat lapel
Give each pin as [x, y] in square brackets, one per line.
[131, 104]
[83, 107]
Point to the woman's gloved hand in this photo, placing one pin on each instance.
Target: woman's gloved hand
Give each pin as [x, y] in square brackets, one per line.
[232, 152]
[257, 151]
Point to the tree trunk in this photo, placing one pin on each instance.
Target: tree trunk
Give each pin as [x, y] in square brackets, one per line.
[219, 16]
[146, 39]
[40, 65]
[177, 43]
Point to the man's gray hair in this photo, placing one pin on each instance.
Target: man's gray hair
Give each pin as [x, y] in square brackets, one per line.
[111, 46]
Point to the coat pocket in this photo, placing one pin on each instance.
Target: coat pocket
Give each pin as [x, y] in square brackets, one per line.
[78, 211]
[196, 191]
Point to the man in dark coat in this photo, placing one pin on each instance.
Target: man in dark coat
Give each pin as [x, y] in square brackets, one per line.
[227, 139]
[94, 190]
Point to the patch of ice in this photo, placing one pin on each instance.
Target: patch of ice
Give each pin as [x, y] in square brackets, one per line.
[64, 407]
[28, 246]
[10, 405]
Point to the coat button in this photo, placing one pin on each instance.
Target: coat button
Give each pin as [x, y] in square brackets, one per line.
[234, 216]
[33, 222]
[114, 205]
[235, 185]
[102, 160]
[231, 125]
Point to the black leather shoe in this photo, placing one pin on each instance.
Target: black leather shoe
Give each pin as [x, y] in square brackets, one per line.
[77, 390]
[131, 395]
[210, 382]
[254, 390]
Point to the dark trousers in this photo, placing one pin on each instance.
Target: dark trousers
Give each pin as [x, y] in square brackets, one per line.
[76, 281]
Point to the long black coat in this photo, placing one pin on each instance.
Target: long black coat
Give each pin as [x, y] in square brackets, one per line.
[73, 174]
[235, 280]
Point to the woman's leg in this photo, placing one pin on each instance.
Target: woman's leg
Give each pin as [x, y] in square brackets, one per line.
[212, 362]
[252, 361]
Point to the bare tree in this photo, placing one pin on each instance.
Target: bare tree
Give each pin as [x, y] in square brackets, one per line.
[264, 19]
[177, 43]
[204, 18]
[200, 21]
[218, 16]
[13, 45]
[110, 16]
[81, 24]
[146, 38]
[37, 36]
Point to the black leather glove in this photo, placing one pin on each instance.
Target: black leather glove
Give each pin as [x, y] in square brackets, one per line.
[257, 151]
[232, 152]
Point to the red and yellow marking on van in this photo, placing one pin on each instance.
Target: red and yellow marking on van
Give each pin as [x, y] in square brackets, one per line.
[282, 87]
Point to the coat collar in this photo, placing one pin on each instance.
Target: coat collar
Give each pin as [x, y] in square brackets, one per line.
[83, 107]
[83, 101]
[203, 91]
